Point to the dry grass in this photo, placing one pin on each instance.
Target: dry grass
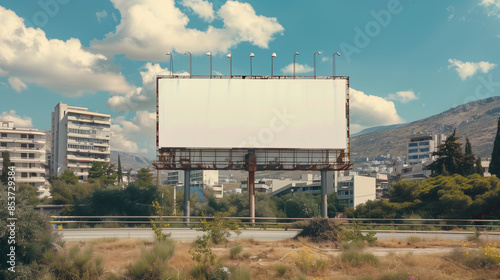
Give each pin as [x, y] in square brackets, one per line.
[298, 259]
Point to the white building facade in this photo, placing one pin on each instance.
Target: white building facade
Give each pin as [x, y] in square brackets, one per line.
[421, 147]
[79, 138]
[198, 178]
[26, 149]
[356, 189]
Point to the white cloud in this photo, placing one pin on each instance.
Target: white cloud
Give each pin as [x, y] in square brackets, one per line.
[402, 96]
[467, 69]
[101, 15]
[492, 7]
[299, 68]
[451, 12]
[325, 59]
[151, 27]
[204, 9]
[370, 110]
[62, 66]
[125, 135]
[17, 84]
[142, 97]
[21, 122]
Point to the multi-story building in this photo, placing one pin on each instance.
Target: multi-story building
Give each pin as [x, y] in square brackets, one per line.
[198, 178]
[79, 138]
[355, 189]
[421, 147]
[26, 149]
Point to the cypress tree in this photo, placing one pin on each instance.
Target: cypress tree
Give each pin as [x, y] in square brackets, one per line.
[468, 167]
[119, 172]
[495, 156]
[479, 167]
[450, 157]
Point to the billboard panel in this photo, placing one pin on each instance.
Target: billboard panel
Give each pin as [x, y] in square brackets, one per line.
[252, 113]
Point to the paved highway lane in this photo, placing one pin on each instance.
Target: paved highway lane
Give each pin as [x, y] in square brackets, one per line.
[257, 234]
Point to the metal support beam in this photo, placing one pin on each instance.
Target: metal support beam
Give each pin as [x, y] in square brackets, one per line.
[187, 194]
[158, 177]
[251, 194]
[251, 162]
[324, 202]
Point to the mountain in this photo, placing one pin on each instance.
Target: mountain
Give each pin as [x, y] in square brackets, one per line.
[131, 161]
[476, 120]
[377, 129]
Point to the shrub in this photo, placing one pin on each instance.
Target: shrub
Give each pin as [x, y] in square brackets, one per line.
[353, 233]
[281, 269]
[308, 261]
[235, 251]
[73, 264]
[318, 230]
[241, 273]
[357, 259]
[153, 263]
[477, 258]
[219, 229]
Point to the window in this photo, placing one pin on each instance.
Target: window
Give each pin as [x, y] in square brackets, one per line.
[31, 146]
[33, 174]
[424, 143]
[23, 136]
[413, 157]
[31, 136]
[4, 135]
[424, 149]
[23, 145]
[24, 175]
[3, 145]
[412, 144]
[423, 156]
[32, 155]
[24, 155]
[413, 151]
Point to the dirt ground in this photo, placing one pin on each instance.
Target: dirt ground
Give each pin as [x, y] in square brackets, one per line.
[299, 259]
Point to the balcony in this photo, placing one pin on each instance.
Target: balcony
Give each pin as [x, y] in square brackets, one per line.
[22, 150]
[31, 169]
[30, 180]
[86, 159]
[27, 160]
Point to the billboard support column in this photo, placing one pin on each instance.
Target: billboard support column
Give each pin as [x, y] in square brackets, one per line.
[187, 194]
[324, 185]
[252, 167]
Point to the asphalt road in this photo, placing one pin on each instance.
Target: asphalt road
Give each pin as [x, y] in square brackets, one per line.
[257, 234]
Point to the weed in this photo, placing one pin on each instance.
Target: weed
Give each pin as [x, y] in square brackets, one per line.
[357, 259]
[308, 261]
[235, 251]
[219, 229]
[246, 255]
[157, 210]
[353, 244]
[240, 273]
[281, 269]
[414, 239]
[476, 237]
[73, 264]
[153, 264]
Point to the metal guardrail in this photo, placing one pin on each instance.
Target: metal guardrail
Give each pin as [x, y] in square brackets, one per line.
[423, 224]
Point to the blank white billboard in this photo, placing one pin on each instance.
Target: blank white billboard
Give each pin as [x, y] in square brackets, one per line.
[252, 113]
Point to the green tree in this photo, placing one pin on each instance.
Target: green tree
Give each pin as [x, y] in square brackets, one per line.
[144, 178]
[478, 167]
[34, 236]
[119, 172]
[69, 177]
[102, 174]
[5, 168]
[495, 155]
[468, 161]
[450, 157]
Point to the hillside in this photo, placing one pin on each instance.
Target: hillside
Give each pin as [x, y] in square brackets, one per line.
[476, 120]
[131, 161]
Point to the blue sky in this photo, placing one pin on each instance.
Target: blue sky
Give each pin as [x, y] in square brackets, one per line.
[406, 60]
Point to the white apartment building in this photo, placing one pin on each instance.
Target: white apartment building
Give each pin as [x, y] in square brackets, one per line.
[421, 147]
[26, 149]
[79, 138]
[198, 178]
[355, 189]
